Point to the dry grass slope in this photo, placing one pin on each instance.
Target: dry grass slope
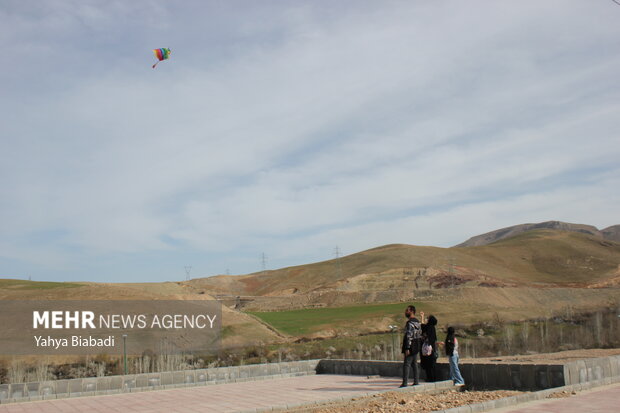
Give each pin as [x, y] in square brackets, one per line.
[540, 257]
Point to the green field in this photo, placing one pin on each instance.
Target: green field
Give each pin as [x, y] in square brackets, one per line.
[299, 322]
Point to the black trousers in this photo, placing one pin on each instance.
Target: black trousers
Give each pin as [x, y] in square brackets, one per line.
[411, 361]
[428, 365]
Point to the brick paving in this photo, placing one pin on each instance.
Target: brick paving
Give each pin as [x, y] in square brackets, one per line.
[229, 397]
[604, 399]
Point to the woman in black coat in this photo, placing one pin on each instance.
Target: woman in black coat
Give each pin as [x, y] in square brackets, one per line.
[429, 335]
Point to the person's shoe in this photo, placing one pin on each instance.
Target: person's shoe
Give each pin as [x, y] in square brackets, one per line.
[416, 384]
[403, 385]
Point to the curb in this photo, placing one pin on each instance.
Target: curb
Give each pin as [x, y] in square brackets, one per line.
[523, 398]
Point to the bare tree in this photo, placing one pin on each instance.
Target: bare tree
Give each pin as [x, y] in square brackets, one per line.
[508, 337]
[42, 369]
[525, 335]
[17, 371]
[598, 328]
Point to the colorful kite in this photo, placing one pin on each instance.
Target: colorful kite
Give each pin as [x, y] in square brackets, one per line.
[161, 54]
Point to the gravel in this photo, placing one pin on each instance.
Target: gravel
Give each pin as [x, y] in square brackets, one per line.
[561, 394]
[415, 402]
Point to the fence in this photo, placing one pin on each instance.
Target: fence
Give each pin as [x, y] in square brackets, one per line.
[150, 381]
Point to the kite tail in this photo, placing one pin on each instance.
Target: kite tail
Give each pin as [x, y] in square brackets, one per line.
[156, 64]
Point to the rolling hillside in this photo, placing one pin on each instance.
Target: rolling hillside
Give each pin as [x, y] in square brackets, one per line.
[239, 329]
[542, 257]
[534, 273]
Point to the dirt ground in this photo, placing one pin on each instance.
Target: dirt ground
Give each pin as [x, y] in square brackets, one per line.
[415, 402]
[543, 358]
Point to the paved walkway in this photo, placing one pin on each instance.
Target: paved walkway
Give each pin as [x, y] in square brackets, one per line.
[603, 399]
[228, 397]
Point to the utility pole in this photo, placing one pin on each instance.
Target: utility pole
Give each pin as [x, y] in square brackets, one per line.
[263, 261]
[452, 276]
[188, 269]
[337, 254]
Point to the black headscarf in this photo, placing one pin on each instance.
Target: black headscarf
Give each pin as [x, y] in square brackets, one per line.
[449, 345]
[429, 330]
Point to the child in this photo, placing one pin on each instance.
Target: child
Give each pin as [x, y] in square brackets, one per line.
[452, 351]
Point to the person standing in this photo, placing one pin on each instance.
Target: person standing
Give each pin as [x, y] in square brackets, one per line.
[429, 353]
[452, 351]
[411, 346]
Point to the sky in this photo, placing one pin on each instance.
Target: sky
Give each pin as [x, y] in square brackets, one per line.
[291, 128]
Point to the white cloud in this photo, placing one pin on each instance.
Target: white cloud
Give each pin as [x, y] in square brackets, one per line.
[293, 128]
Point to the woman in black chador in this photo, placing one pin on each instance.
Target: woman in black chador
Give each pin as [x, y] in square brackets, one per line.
[428, 357]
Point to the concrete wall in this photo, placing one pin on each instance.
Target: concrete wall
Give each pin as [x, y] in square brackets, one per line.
[582, 371]
[512, 376]
[492, 376]
[140, 382]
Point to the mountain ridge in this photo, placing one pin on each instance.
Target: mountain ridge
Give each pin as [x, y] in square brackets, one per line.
[611, 233]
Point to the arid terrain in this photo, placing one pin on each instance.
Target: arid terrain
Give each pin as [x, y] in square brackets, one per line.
[536, 273]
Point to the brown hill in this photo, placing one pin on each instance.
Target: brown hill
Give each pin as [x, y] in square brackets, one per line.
[532, 274]
[239, 329]
[611, 233]
[542, 257]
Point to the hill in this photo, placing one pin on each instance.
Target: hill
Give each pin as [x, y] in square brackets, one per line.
[541, 257]
[611, 233]
[239, 329]
[534, 273]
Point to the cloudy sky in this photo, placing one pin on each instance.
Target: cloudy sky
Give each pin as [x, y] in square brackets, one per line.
[291, 128]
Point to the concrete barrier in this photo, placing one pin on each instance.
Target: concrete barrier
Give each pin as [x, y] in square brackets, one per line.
[586, 370]
[530, 377]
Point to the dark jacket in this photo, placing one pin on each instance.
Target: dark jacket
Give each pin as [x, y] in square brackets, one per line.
[449, 346]
[429, 334]
[413, 336]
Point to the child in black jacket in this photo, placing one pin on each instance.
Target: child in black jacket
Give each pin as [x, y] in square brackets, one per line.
[452, 351]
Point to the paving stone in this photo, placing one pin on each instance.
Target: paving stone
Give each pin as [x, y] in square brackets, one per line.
[265, 395]
[598, 400]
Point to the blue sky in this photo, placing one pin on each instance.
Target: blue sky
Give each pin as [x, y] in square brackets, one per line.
[291, 128]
